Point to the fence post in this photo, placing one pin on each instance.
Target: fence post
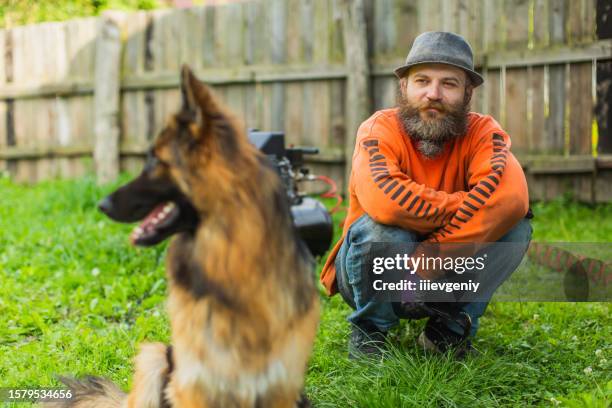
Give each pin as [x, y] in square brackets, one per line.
[106, 98]
[358, 99]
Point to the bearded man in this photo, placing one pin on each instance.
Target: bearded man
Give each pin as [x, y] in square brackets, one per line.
[429, 171]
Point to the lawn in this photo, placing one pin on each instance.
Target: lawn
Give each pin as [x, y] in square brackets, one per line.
[76, 298]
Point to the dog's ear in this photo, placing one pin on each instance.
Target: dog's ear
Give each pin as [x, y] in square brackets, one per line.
[200, 107]
[198, 103]
[189, 105]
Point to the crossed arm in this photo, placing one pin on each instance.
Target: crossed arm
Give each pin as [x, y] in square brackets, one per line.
[496, 201]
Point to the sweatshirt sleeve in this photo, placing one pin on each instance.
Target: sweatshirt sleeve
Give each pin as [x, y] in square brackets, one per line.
[497, 198]
[389, 195]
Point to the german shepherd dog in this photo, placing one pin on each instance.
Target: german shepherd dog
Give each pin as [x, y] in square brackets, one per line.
[242, 303]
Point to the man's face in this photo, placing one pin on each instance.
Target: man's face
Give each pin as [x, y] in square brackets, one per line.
[433, 105]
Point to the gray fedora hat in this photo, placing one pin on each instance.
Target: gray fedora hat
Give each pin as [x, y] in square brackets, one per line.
[441, 48]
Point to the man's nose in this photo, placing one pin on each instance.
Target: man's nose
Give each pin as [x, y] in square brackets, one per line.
[433, 92]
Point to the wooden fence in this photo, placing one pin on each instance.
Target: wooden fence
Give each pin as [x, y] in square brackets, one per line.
[285, 65]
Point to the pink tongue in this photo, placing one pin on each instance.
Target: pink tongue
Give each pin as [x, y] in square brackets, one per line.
[147, 221]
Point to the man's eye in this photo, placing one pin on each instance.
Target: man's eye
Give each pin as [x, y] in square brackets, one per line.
[420, 81]
[450, 84]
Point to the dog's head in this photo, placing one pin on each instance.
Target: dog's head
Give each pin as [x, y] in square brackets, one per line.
[199, 146]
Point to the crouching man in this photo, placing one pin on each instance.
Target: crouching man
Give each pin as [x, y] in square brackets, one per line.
[429, 171]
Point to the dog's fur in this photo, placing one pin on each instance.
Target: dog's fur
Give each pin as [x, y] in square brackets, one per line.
[242, 301]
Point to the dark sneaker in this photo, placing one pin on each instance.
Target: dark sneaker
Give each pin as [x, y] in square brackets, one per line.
[366, 340]
[438, 338]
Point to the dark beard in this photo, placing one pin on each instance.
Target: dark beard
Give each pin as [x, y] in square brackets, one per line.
[432, 135]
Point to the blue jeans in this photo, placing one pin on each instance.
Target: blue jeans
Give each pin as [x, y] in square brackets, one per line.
[365, 230]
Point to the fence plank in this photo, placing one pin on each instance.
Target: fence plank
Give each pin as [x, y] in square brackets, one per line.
[3, 55]
[541, 30]
[472, 15]
[407, 27]
[106, 106]
[581, 21]
[294, 40]
[537, 110]
[516, 108]
[492, 89]
[603, 108]
[293, 113]
[516, 14]
[358, 80]
[581, 108]
[557, 13]
[256, 35]
[313, 99]
[430, 15]
[555, 120]
[209, 50]
[384, 28]
[589, 32]
[494, 25]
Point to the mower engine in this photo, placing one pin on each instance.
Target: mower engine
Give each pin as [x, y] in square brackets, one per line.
[310, 217]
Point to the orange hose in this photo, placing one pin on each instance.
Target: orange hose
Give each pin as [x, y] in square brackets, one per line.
[331, 193]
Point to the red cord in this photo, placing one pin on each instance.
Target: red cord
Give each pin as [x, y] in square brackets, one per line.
[331, 193]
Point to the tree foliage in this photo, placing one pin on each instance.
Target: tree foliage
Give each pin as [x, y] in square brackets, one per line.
[19, 12]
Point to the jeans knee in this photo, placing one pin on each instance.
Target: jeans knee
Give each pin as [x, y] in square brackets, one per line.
[521, 232]
[365, 229]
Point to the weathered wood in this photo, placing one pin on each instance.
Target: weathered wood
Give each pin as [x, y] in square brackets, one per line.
[294, 42]
[492, 87]
[12, 153]
[4, 56]
[317, 127]
[516, 16]
[557, 14]
[209, 37]
[603, 186]
[536, 110]
[603, 107]
[277, 14]
[430, 15]
[600, 50]
[407, 22]
[321, 32]
[580, 108]
[293, 113]
[32, 90]
[541, 30]
[558, 164]
[555, 120]
[307, 25]
[516, 109]
[337, 115]
[494, 26]
[472, 16]
[384, 29]
[384, 92]
[337, 42]
[358, 85]
[106, 99]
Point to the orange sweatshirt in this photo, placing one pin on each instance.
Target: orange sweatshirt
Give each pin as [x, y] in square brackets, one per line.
[475, 191]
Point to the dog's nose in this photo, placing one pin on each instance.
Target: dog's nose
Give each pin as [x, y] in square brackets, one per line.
[105, 205]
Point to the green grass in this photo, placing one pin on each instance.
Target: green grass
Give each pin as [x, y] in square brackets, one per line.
[76, 298]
